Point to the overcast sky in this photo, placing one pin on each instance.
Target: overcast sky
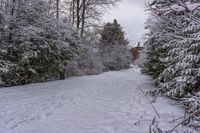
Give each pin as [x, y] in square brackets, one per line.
[130, 14]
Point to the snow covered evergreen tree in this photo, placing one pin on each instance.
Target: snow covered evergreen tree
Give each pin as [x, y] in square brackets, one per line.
[113, 34]
[178, 24]
[181, 76]
[113, 47]
[156, 51]
[177, 35]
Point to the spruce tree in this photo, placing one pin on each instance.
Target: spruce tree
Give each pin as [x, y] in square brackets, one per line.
[113, 47]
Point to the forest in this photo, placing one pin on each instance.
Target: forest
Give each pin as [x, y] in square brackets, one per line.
[55, 39]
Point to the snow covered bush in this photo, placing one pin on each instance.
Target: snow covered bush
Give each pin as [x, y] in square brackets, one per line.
[36, 61]
[38, 48]
[173, 48]
[4, 68]
[193, 111]
[90, 62]
[113, 47]
[4, 65]
[115, 58]
[87, 63]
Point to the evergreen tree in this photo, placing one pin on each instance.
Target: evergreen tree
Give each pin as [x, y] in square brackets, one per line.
[176, 33]
[176, 29]
[113, 47]
[156, 52]
[113, 34]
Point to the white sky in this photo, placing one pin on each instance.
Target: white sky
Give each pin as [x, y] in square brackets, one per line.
[130, 14]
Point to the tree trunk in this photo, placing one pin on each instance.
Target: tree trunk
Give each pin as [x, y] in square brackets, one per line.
[57, 11]
[50, 2]
[78, 14]
[72, 12]
[83, 17]
[12, 14]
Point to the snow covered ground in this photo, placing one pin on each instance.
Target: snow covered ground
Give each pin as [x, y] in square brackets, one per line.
[106, 103]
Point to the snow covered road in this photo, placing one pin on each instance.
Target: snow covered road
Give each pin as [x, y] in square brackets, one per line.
[106, 103]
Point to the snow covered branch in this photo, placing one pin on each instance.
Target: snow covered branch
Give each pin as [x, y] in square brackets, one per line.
[179, 6]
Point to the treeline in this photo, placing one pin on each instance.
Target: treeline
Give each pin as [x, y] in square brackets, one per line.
[173, 53]
[42, 40]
